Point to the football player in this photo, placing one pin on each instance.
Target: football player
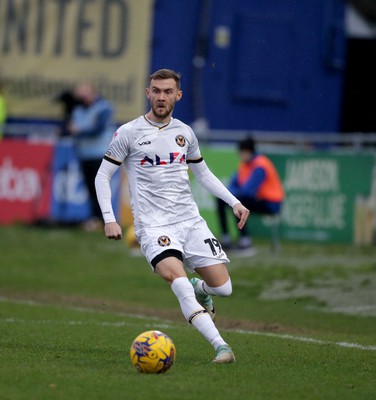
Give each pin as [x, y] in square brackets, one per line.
[156, 150]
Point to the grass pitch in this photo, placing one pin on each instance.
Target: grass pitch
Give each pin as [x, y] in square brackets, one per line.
[302, 323]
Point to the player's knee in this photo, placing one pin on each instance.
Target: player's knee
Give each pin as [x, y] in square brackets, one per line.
[224, 290]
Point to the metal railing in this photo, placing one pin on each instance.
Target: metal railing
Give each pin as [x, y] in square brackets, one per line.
[296, 140]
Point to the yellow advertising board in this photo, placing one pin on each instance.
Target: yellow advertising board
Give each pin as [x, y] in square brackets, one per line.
[47, 46]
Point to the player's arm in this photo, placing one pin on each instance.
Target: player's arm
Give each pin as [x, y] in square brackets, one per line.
[211, 183]
[102, 185]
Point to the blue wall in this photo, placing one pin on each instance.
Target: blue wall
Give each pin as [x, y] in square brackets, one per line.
[281, 69]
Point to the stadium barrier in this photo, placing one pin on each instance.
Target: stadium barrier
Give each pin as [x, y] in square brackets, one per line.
[25, 181]
[43, 182]
[330, 192]
[330, 196]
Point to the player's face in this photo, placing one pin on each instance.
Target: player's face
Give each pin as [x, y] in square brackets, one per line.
[163, 94]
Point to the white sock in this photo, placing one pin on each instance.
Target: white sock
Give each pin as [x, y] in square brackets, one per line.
[222, 291]
[194, 312]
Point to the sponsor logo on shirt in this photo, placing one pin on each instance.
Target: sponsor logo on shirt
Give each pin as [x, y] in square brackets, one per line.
[173, 157]
[164, 241]
[145, 143]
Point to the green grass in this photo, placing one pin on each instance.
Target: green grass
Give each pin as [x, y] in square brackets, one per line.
[66, 323]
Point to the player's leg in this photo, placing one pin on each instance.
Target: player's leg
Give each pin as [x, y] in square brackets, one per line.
[172, 271]
[204, 255]
[216, 280]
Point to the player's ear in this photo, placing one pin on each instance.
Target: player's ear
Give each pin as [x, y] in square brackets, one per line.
[179, 95]
[147, 93]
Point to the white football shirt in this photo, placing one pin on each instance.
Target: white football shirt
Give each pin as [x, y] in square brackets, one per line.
[155, 160]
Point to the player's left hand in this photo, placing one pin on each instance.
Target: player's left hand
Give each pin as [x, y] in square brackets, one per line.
[242, 213]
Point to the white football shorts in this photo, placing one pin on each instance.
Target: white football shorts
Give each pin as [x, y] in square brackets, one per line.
[192, 238]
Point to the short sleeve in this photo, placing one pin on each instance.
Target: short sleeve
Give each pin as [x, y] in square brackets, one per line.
[193, 152]
[118, 149]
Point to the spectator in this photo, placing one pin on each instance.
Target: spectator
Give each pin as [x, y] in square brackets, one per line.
[258, 186]
[68, 102]
[91, 126]
[3, 112]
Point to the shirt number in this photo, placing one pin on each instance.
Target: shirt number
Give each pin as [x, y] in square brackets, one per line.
[215, 246]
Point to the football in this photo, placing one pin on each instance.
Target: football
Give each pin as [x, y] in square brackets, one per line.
[153, 352]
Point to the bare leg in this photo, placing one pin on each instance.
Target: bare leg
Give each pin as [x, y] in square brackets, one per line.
[214, 275]
[170, 269]
[216, 281]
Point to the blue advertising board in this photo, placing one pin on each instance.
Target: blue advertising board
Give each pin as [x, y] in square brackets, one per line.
[70, 197]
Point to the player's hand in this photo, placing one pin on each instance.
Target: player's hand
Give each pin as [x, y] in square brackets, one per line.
[113, 231]
[242, 213]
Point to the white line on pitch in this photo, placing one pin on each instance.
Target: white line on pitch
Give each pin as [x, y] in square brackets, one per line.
[168, 323]
[119, 324]
[308, 340]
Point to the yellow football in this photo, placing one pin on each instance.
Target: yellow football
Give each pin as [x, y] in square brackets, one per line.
[153, 352]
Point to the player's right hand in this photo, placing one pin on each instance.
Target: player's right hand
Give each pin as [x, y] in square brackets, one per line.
[242, 213]
[113, 231]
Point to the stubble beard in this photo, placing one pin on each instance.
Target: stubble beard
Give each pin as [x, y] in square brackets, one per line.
[165, 114]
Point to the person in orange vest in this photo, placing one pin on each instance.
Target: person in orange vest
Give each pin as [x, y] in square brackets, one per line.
[257, 185]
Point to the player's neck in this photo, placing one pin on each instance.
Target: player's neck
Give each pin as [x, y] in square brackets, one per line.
[153, 118]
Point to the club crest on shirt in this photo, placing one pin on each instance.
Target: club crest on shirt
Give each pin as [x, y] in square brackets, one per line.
[164, 241]
[180, 140]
